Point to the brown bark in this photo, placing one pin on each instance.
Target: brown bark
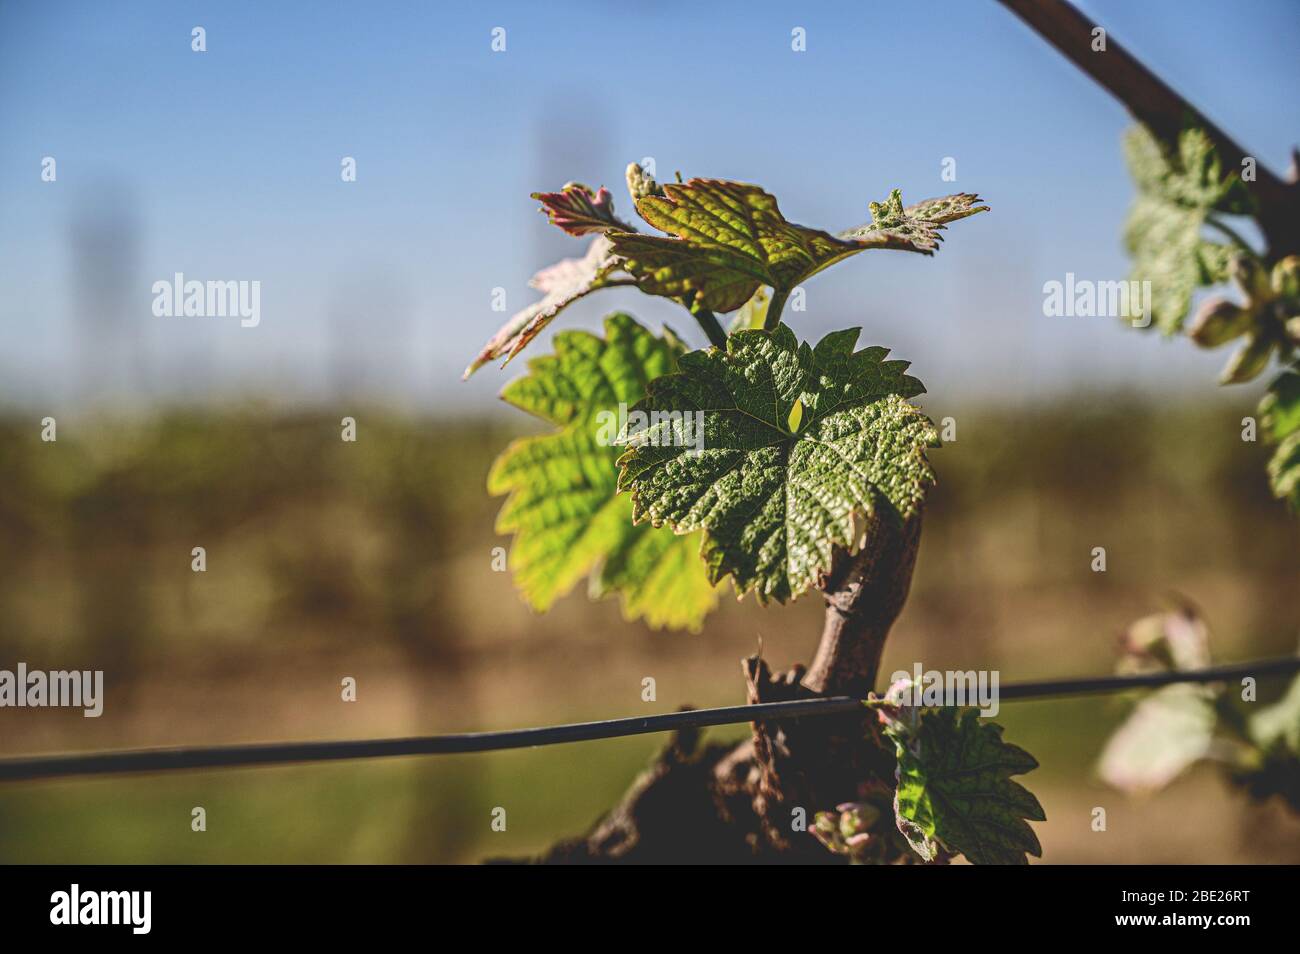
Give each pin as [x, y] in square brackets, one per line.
[1164, 111]
[739, 804]
[864, 594]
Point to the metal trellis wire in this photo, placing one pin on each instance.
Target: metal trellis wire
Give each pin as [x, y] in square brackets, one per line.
[27, 768]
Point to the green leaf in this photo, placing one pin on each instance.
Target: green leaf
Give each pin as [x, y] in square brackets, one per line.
[773, 503]
[563, 508]
[1164, 241]
[1163, 233]
[916, 228]
[1280, 416]
[658, 574]
[1194, 178]
[561, 284]
[730, 237]
[1215, 261]
[955, 791]
[1280, 407]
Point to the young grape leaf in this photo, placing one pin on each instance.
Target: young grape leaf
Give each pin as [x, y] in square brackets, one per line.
[1163, 233]
[562, 284]
[916, 228]
[563, 508]
[775, 490]
[955, 791]
[1174, 639]
[1178, 725]
[1170, 729]
[579, 211]
[728, 238]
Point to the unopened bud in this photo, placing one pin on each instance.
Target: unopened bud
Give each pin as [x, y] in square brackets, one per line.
[1248, 362]
[639, 184]
[846, 831]
[1217, 322]
[857, 817]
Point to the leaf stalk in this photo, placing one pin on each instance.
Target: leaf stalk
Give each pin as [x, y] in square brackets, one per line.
[775, 307]
[708, 321]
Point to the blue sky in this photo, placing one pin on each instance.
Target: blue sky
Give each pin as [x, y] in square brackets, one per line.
[225, 165]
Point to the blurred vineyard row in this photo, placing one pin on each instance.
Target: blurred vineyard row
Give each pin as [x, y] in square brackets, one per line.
[374, 559]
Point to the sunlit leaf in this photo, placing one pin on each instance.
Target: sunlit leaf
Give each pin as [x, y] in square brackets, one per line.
[729, 238]
[773, 503]
[564, 511]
